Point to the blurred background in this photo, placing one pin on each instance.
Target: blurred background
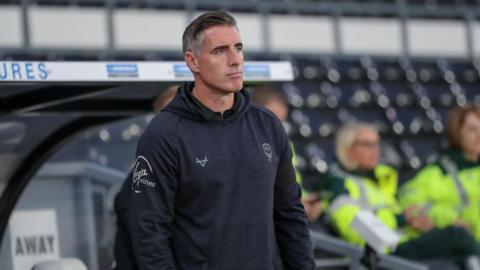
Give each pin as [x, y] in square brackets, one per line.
[398, 64]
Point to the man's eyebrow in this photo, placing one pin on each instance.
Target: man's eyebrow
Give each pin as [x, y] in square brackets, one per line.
[226, 46]
[220, 47]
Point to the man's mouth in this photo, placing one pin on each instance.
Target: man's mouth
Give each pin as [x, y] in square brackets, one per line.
[235, 74]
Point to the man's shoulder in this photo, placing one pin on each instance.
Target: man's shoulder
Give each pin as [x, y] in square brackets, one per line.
[264, 115]
[263, 112]
[268, 119]
[163, 125]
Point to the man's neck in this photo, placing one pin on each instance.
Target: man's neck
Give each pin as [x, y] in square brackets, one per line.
[214, 100]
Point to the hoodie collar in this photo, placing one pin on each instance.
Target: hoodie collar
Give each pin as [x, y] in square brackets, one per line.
[187, 106]
[207, 113]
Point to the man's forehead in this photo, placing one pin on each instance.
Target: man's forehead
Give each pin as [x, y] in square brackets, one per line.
[221, 34]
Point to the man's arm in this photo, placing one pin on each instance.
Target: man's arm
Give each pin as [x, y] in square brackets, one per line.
[152, 195]
[291, 228]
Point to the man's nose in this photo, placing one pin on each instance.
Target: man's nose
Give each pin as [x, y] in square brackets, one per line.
[235, 57]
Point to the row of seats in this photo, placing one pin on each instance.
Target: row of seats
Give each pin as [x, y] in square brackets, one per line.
[402, 69]
[325, 94]
[395, 110]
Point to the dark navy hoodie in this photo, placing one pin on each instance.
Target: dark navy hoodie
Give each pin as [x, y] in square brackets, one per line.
[217, 192]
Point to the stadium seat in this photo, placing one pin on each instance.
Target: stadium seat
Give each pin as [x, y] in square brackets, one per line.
[438, 93]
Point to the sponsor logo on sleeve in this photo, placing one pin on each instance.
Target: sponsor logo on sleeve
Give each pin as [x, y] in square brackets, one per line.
[142, 171]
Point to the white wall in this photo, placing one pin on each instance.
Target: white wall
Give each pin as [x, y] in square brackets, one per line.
[445, 38]
[84, 28]
[476, 38]
[149, 29]
[68, 27]
[304, 34]
[371, 36]
[11, 26]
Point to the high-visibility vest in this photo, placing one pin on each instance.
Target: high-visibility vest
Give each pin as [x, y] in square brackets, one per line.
[446, 193]
[376, 195]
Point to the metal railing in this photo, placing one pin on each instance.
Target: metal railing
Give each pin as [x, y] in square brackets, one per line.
[350, 255]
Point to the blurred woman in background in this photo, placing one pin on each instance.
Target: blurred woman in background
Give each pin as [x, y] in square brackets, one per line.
[447, 192]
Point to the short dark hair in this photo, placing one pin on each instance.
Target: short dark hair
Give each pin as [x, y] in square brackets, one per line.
[455, 121]
[191, 40]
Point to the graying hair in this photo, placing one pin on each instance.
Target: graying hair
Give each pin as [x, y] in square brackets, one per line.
[192, 37]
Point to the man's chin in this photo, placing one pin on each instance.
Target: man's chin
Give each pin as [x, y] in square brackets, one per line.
[235, 87]
[238, 86]
[235, 82]
[229, 87]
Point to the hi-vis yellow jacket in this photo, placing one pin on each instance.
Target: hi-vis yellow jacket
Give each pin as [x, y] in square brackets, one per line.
[354, 191]
[447, 190]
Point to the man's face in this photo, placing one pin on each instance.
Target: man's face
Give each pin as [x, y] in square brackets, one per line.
[219, 63]
[365, 149]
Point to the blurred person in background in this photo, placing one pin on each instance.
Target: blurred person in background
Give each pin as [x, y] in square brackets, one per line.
[358, 182]
[275, 101]
[123, 255]
[448, 190]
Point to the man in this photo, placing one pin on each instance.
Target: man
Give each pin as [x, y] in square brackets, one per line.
[213, 185]
[360, 182]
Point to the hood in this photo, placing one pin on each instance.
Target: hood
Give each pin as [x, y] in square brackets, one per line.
[187, 106]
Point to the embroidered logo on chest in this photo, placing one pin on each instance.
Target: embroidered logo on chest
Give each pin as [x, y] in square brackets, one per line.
[201, 162]
[267, 149]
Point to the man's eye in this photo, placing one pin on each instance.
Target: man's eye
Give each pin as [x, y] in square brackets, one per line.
[239, 48]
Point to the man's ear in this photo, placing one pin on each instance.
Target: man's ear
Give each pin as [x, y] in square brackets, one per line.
[191, 61]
